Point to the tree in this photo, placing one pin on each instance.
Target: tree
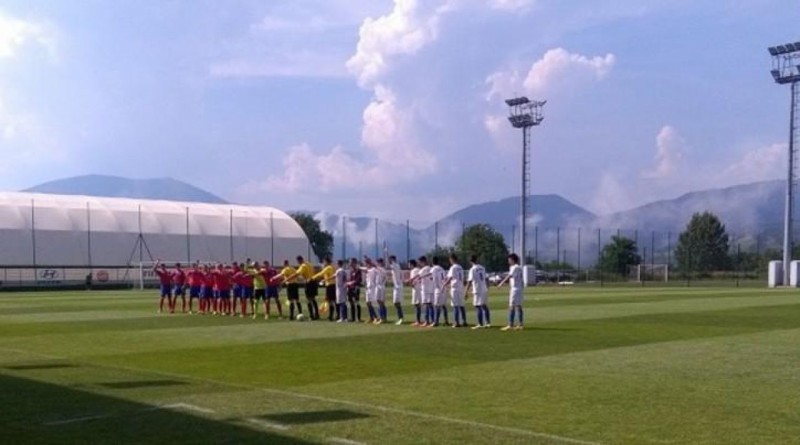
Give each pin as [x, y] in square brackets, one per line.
[617, 255]
[703, 246]
[321, 240]
[487, 243]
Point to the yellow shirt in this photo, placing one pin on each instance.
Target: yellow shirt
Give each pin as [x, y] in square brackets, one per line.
[258, 279]
[287, 272]
[306, 271]
[327, 274]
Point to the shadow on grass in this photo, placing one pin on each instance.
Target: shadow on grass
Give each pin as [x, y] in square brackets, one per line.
[44, 413]
[43, 367]
[138, 384]
[300, 418]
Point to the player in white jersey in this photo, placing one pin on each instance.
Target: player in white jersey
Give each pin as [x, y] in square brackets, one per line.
[372, 289]
[439, 296]
[515, 293]
[416, 291]
[340, 281]
[425, 280]
[455, 279]
[397, 287]
[476, 280]
[381, 291]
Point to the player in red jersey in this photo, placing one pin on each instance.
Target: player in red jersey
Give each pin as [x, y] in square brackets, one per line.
[222, 290]
[179, 283]
[246, 283]
[195, 280]
[237, 274]
[208, 302]
[165, 284]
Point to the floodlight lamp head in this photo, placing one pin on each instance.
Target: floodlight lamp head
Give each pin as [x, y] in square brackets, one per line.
[517, 101]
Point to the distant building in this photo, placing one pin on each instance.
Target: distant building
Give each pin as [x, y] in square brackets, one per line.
[67, 230]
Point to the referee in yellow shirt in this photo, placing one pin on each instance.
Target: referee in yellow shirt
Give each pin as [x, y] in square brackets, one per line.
[306, 272]
[327, 275]
[288, 275]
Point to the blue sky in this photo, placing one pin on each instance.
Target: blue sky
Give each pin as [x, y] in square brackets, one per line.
[395, 108]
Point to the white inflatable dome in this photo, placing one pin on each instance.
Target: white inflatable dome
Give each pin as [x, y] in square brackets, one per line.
[64, 230]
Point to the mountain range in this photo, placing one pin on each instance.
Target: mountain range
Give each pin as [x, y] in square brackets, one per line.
[751, 212]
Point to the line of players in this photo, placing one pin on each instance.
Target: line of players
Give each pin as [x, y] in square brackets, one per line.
[237, 290]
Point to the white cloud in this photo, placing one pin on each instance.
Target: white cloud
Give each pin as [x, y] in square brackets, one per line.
[405, 30]
[16, 33]
[557, 68]
[758, 165]
[559, 65]
[670, 147]
[391, 152]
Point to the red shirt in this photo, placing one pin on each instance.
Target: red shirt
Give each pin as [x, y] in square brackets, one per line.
[269, 274]
[179, 277]
[164, 277]
[195, 278]
[208, 280]
[238, 277]
[222, 281]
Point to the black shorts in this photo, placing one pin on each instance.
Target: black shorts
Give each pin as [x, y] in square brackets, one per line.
[259, 294]
[312, 289]
[354, 293]
[293, 291]
[330, 292]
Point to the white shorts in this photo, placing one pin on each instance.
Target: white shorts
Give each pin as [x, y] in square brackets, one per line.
[341, 296]
[480, 299]
[457, 297]
[439, 298]
[372, 295]
[397, 295]
[380, 293]
[515, 297]
[415, 296]
[427, 298]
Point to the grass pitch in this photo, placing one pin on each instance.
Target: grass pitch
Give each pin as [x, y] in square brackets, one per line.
[612, 366]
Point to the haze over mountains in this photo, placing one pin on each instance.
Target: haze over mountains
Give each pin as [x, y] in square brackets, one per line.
[749, 211]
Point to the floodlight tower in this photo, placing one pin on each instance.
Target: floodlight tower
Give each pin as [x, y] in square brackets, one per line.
[786, 70]
[525, 114]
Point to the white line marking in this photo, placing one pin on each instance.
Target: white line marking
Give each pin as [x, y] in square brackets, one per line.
[505, 429]
[266, 424]
[187, 407]
[78, 420]
[341, 441]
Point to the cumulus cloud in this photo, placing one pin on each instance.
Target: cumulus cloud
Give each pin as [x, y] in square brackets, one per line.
[391, 152]
[557, 67]
[669, 153]
[409, 27]
[16, 33]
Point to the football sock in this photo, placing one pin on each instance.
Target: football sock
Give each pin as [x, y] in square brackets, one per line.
[399, 310]
[519, 312]
[511, 317]
[480, 316]
[418, 311]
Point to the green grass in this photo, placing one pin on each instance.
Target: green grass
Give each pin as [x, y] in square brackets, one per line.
[594, 365]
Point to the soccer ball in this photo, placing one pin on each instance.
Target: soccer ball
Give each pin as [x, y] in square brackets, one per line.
[300, 317]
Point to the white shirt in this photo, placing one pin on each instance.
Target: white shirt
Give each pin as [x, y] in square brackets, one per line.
[381, 277]
[438, 276]
[397, 275]
[340, 278]
[372, 278]
[516, 277]
[426, 283]
[417, 283]
[456, 276]
[477, 275]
